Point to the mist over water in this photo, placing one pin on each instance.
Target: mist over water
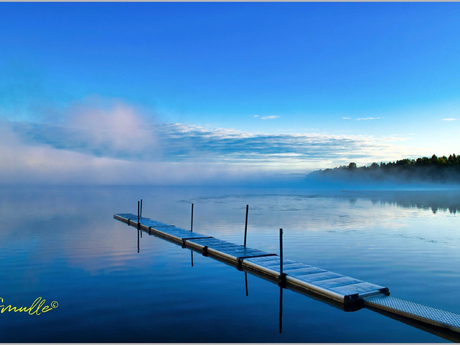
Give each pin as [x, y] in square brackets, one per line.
[62, 243]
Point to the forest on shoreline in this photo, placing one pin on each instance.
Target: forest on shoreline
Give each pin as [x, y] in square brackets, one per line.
[435, 169]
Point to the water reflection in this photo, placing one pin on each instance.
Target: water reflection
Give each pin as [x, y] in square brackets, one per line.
[280, 321]
[281, 310]
[438, 331]
[445, 201]
[246, 283]
[62, 242]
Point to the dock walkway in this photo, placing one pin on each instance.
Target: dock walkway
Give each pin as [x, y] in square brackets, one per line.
[350, 294]
[332, 285]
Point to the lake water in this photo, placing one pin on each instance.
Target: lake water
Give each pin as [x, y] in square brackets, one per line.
[62, 243]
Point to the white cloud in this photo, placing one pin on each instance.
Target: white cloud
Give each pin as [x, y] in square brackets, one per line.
[367, 118]
[119, 126]
[191, 154]
[346, 118]
[293, 151]
[449, 119]
[31, 164]
[270, 117]
[117, 145]
[256, 115]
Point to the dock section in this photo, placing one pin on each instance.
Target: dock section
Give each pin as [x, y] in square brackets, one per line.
[346, 290]
[346, 293]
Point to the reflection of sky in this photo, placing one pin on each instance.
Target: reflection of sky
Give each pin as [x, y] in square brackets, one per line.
[65, 245]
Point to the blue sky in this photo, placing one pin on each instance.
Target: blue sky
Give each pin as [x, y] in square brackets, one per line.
[286, 87]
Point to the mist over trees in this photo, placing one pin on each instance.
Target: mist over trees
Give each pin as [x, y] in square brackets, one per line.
[435, 169]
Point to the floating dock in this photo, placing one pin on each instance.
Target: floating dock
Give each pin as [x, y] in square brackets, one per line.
[348, 293]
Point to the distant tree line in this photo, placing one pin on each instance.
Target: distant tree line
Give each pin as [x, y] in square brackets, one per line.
[434, 169]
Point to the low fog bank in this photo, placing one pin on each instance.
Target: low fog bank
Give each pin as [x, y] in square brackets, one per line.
[429, 177]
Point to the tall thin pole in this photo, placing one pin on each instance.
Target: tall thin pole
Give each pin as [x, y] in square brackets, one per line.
[139, 212]
[191, 251]
[191, 222]
[246, 226]
[281, 252]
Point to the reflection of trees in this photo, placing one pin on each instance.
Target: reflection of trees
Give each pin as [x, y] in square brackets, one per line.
[447, 201]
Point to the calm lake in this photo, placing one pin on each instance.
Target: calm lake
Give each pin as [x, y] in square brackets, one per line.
[62, 244]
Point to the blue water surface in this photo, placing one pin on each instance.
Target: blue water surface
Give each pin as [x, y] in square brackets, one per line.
[62, 244]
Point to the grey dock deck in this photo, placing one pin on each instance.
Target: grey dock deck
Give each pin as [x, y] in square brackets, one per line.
[332, 285]
[349, 294]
